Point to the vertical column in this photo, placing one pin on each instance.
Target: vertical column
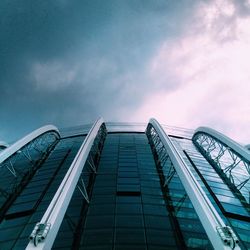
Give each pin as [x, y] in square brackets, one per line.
[221, 236]
[45, 232]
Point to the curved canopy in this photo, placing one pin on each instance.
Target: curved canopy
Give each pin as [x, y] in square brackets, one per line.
[58, 206]
[236, 147]
[205, 210]
[25, 140]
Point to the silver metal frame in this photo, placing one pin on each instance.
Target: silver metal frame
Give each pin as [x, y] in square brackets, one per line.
[45, 232]
[230, 159]
[236, 147]
[27, 139]
[32, 147]
[210, 219]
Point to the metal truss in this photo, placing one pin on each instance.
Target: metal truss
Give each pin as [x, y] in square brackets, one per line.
[229, 159]
[89, 153]
[179, 204]
[92, 162]
[166, 172]
[84, 187]
[86, 182]
[163, 161]
[19, 161]
[220, 235]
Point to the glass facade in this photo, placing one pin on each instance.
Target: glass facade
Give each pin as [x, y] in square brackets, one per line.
[130, 205]
[31, 203]
[235, 211]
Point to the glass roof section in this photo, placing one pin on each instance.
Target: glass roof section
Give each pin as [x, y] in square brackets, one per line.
[114, 127]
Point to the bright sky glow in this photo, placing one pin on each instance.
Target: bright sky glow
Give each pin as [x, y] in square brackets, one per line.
[213, 69]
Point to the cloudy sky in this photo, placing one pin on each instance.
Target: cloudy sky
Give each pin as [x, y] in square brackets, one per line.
[66, 62]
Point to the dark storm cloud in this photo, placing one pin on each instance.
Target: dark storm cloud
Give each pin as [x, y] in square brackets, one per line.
[68, 62]
[242, 7]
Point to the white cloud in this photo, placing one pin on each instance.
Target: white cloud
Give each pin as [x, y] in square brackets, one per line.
[52, 75]
[212, 64]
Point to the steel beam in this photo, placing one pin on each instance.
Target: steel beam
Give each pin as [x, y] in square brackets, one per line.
[218, 233]
[43, 238]
[230, 159]
[16, 174]
[26, 140]
[236, 147]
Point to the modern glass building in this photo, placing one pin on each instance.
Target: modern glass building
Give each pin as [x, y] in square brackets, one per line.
[124, 186]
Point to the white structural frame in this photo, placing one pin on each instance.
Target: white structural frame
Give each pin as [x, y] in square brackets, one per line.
[214, 146]
[56, 210]
[6, 153]
[209, 217]
[240, 150]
